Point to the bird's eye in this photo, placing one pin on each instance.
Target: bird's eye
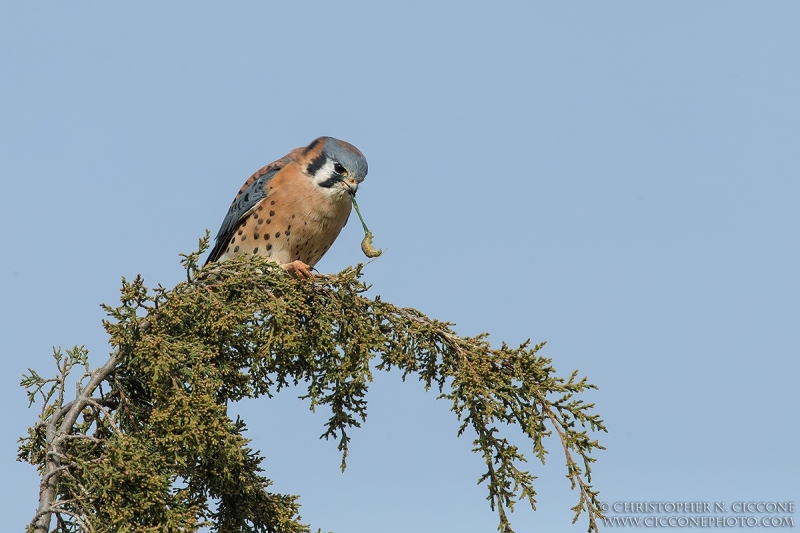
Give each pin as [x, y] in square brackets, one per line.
[339, 169]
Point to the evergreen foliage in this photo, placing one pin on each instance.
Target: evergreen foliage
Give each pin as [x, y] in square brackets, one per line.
[146, 444]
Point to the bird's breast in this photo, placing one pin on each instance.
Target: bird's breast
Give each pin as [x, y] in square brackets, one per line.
[296, 221]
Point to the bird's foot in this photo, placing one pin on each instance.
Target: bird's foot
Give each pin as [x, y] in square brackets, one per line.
[298, 269]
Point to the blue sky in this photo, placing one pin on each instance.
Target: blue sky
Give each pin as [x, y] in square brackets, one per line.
[621, 179]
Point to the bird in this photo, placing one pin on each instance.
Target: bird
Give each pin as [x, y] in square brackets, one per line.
[292, 210]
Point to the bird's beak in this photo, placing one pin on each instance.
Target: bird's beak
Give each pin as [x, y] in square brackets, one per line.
[350, 186]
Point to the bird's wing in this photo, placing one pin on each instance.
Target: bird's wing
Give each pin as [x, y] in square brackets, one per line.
[251, 193]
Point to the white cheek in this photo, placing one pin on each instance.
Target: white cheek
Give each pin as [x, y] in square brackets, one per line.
[324, 173]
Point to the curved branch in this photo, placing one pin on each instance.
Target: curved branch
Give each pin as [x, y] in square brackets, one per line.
[574, 473]
[54, 439]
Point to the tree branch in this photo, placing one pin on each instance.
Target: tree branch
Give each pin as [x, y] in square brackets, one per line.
[54, 439]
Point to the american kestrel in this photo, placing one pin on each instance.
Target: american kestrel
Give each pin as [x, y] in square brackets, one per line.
[292, 210]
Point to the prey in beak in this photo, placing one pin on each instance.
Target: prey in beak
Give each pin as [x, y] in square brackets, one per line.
[351, 186]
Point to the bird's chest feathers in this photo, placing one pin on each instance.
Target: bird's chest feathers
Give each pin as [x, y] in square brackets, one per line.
[304, 219]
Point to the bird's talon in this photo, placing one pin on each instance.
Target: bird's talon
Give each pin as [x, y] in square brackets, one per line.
[298, 269]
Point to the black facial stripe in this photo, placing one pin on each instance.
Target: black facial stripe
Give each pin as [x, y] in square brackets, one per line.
[330, 182]
[316, 164]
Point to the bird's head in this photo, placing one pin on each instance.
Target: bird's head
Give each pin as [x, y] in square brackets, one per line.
[334, 165]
